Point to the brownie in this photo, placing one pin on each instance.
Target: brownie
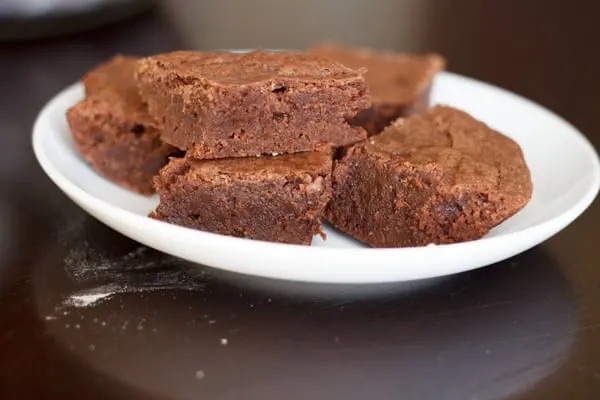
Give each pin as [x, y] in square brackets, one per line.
[218, 105]
[399, 83]
[438, 177]
[113, 130]
[277, 199]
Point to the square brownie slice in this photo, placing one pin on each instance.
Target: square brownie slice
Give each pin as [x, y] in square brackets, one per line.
[439, 177]
[113, 130]
[219, 105]
[399, 83]
[277, 199]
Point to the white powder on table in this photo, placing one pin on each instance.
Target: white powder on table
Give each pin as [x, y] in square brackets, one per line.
[103, 276]
[85, 300]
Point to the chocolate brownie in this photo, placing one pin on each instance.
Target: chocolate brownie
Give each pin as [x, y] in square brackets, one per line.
[113, 130]
[278, 199]
[218, 105]
[438, 177]
[399, 83]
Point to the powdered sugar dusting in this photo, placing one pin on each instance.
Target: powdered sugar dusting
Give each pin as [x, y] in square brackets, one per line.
[140, 270]
[100, 275]
[85, 300]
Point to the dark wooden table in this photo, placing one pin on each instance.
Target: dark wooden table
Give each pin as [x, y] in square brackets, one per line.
[526, 328]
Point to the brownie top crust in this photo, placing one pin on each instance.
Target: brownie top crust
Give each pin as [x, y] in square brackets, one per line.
[224, 68]
[251, 169]
[391, 77]
[111, 89]
[114, 82]
[459, 150]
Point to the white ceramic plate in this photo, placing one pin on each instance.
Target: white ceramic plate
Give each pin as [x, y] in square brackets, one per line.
[564, 166]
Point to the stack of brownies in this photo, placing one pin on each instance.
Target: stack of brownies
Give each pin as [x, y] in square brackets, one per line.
[264, 145]
[258, 131]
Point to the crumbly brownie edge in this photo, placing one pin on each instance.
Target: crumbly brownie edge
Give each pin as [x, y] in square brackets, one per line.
[286, 210]
[126, 152]
[362, 203]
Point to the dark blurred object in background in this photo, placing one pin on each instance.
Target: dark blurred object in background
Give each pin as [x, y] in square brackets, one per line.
[36, 19]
